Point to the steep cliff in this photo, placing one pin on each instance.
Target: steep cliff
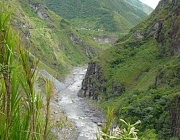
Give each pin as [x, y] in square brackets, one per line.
[95, 84]
[139, 76]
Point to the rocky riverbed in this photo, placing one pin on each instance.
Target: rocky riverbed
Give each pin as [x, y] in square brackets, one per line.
[85, 117]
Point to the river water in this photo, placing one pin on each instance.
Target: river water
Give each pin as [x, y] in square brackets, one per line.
[76, 108]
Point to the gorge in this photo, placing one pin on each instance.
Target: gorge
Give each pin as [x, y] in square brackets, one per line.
[77, 109]
[133, 67]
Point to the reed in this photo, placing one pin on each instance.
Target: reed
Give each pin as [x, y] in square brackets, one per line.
[21, 115]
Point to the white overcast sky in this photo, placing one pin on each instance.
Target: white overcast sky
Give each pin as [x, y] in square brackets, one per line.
[151, 3]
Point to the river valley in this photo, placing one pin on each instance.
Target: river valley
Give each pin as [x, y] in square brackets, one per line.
[77, 109]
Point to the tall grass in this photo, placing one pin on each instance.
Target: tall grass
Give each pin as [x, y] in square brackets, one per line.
[48, 97]
[21, 115]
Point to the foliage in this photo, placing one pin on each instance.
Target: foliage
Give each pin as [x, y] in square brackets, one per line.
[20, 106]
[106, 15]
[53, 40]
[110, 119]
[148, 68]
[129, 132]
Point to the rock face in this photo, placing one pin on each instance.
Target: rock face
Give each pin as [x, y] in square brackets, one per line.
[40, 10]
[95, 84]
[173, 34]
[74, 39]
[35, 6]
[165, 29]
[139, 35]
[155, 30]
[89, 88]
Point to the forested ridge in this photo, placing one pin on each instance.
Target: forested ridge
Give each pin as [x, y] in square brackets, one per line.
[110, 16]
[139, 76]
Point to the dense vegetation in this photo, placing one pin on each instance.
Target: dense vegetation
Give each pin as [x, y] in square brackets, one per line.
[50, 38]
[21, 114]
[111, 16]
[139, 76]
[59, 44]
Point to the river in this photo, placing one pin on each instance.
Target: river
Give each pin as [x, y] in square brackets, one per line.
[76, 108]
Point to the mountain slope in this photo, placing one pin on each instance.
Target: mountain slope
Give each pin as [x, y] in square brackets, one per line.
[139, 76]
[140, 6]
[111, 16]
[50, 38]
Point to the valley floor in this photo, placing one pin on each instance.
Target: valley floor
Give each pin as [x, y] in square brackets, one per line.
[83, 117]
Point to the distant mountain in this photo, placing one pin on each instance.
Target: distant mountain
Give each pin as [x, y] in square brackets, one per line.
[145, 8]
[106, 15]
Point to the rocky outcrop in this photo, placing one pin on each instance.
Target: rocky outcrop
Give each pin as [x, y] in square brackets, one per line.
[94, 84]
[43, 15]
[35, 6]
[139, 35]
[165, 29]
[39, 8]
[89, 87]
[155, 30]
[74, 39]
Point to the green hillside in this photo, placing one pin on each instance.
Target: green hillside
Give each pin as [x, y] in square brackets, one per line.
[140, 6]
[140, 75]
[106, 15]
[52, 39]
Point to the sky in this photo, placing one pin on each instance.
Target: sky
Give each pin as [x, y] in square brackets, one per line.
[151, 3]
